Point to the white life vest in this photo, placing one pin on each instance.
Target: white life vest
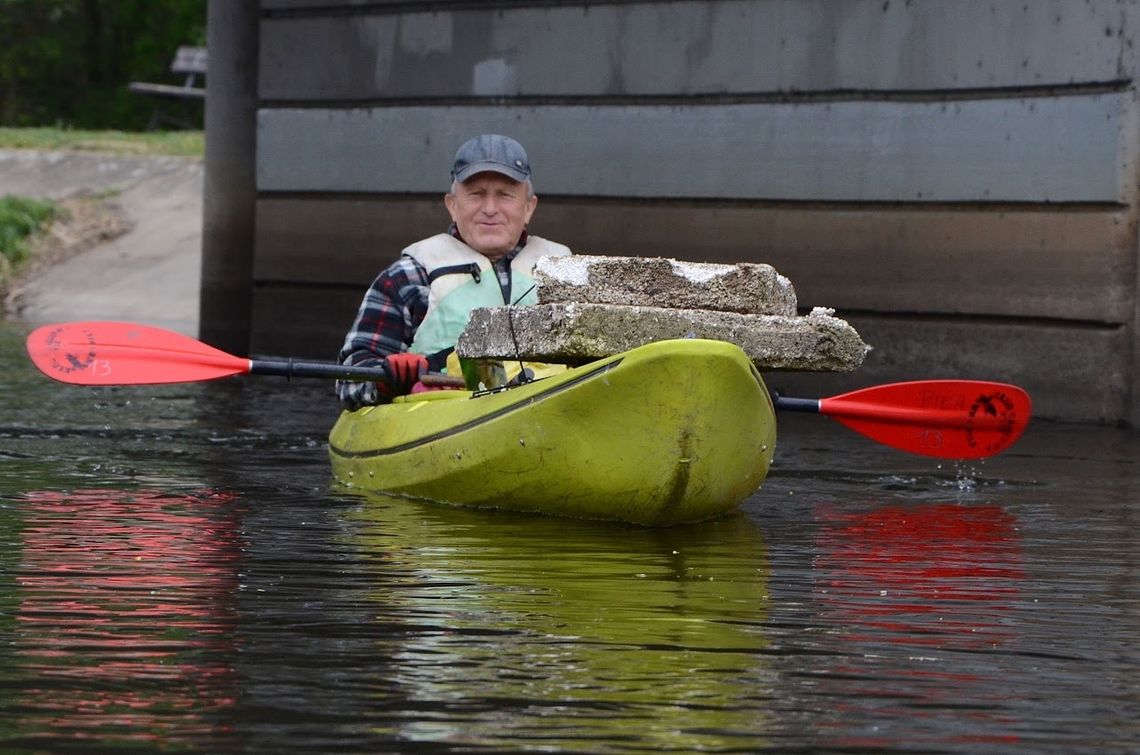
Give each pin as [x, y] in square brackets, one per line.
[462, 279]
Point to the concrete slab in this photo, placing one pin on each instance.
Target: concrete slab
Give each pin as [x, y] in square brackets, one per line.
[747, 288]
[574, 333]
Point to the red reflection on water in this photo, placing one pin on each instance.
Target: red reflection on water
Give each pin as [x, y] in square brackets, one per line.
[922, 597]
[124, 625]
[892, 569]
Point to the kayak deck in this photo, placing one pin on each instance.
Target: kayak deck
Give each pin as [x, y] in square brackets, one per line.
[674, 431]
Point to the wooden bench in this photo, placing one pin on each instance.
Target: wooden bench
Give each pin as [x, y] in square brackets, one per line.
[191, 63]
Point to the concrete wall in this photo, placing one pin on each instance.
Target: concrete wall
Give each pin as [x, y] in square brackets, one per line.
[957, 179]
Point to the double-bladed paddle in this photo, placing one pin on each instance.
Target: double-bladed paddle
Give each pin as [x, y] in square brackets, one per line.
[951, 419]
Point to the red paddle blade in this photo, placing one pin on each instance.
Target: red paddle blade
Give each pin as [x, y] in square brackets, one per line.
[122, 353]
[950, 419]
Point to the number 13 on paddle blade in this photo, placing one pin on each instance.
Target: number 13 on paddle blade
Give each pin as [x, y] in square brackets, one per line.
[121, 353]
[950, 419]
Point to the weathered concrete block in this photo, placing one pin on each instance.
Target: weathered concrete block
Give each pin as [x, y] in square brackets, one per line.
[747, 288]
[575, 333]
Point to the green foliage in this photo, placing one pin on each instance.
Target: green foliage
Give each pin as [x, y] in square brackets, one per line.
[182, 143]
[68, 62]
[20, 218]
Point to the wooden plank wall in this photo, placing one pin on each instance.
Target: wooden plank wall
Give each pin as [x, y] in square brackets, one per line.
[958, 179]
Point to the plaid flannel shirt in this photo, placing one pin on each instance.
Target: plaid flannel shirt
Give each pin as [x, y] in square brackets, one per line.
[389, 316]
[391, 312]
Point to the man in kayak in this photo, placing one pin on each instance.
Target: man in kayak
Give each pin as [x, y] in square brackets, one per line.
[414, 311]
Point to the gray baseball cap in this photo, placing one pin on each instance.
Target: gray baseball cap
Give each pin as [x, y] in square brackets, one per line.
[491, 152]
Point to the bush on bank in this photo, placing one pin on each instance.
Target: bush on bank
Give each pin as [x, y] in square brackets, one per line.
[21, 218]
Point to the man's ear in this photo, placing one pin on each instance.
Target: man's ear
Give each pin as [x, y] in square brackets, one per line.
[531, 204]
[449, 203]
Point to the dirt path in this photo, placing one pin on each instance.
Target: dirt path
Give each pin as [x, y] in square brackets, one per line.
[131, 249]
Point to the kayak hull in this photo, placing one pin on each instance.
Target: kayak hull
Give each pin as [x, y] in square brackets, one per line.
[674, 431]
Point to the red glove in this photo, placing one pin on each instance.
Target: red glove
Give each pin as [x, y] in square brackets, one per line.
[403, 372]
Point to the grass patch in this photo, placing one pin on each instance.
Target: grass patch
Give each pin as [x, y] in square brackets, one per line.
[20, 219]
[178, 143]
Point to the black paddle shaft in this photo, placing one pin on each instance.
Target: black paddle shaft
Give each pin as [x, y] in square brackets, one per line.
[291, 368]
[788, 404]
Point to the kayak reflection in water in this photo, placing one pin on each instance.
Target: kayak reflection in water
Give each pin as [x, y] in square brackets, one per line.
[414, 311]
[574, 632]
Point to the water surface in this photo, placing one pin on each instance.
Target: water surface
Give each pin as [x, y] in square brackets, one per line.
[178, 572]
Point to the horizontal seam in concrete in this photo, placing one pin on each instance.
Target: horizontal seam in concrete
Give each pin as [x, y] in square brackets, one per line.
[963, 318]
[972, 206]
[822, 96]
[439, 6]
[975, 319]
[308, 285]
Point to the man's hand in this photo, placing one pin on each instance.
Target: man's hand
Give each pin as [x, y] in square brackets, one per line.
[403, 372]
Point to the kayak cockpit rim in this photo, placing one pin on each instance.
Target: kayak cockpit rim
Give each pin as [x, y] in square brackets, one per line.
[457, 429]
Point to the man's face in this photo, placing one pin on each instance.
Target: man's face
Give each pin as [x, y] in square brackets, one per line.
[491, 212]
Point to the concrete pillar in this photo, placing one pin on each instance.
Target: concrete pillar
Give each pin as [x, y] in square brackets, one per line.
[230, 180]
[1130, 157]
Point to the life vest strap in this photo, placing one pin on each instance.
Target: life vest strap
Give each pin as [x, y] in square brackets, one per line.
[470, 268]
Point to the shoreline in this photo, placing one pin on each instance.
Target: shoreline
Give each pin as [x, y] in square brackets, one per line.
[130, 247]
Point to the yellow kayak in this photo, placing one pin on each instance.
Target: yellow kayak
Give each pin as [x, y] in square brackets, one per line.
[674, 431]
